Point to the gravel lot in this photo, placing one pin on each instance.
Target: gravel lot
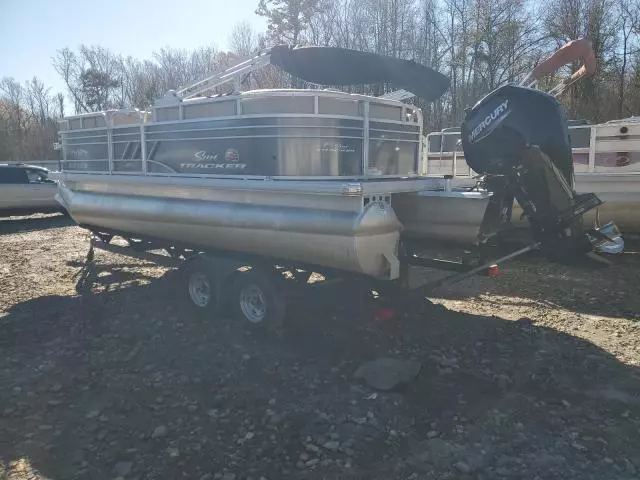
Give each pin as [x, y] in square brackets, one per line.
[533, 375]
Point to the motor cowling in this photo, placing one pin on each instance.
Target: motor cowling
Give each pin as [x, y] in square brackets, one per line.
[521, 134]
[510, 119]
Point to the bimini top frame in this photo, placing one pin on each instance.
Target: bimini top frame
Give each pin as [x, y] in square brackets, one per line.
[329, 66]
[231, 74]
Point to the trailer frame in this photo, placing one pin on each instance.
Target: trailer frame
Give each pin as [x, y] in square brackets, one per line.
[258, 289]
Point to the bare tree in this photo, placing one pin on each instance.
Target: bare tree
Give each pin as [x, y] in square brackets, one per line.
[632, 99]
[93, 77]
[60, 105]
[16, 119]
[628, 25]
[287, 19]
[27, 121]
[568, 19]
[243, 40]
[69, 67]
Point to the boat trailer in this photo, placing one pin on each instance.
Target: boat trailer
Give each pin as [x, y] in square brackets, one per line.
[257, 289]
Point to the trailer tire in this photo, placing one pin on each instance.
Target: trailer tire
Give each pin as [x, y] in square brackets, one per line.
[257, 300]
[200, 287]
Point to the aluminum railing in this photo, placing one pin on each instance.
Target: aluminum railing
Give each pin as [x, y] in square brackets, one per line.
[590, 140]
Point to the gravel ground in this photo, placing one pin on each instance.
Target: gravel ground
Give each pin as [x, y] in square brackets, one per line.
[533, 375]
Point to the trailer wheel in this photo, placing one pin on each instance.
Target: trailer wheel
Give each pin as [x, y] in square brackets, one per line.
[257, 300]
[200, 288]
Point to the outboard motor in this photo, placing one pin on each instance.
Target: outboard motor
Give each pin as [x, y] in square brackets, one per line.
[518, 138]
[521, 135]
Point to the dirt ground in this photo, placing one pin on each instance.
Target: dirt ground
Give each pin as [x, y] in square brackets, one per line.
[532, 375]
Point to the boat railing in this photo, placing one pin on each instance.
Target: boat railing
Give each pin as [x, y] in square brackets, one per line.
[126, 142]
[608, 148]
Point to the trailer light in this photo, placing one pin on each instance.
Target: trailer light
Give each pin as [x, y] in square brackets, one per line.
[385, 314]
[493, 271]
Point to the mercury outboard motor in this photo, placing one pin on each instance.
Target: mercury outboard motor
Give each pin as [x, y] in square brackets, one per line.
[518, 138]
[521, 135]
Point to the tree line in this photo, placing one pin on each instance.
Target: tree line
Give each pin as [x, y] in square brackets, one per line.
[478, 44]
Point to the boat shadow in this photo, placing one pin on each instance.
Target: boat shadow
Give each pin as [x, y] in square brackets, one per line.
[105, 351]
[33, 223]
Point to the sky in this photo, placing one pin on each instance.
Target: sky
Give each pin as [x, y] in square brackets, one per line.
[31, 31]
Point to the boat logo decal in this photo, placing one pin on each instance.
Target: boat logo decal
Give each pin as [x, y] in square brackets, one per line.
[203, 156]
[206, 160]
[492, 120]
[231, 155]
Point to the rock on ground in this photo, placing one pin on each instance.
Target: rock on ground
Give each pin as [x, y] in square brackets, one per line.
[388, 373]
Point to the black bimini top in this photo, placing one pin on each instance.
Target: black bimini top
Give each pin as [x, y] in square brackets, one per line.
[341, 66]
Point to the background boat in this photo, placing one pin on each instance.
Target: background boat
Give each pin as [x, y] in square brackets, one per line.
[606, 159]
